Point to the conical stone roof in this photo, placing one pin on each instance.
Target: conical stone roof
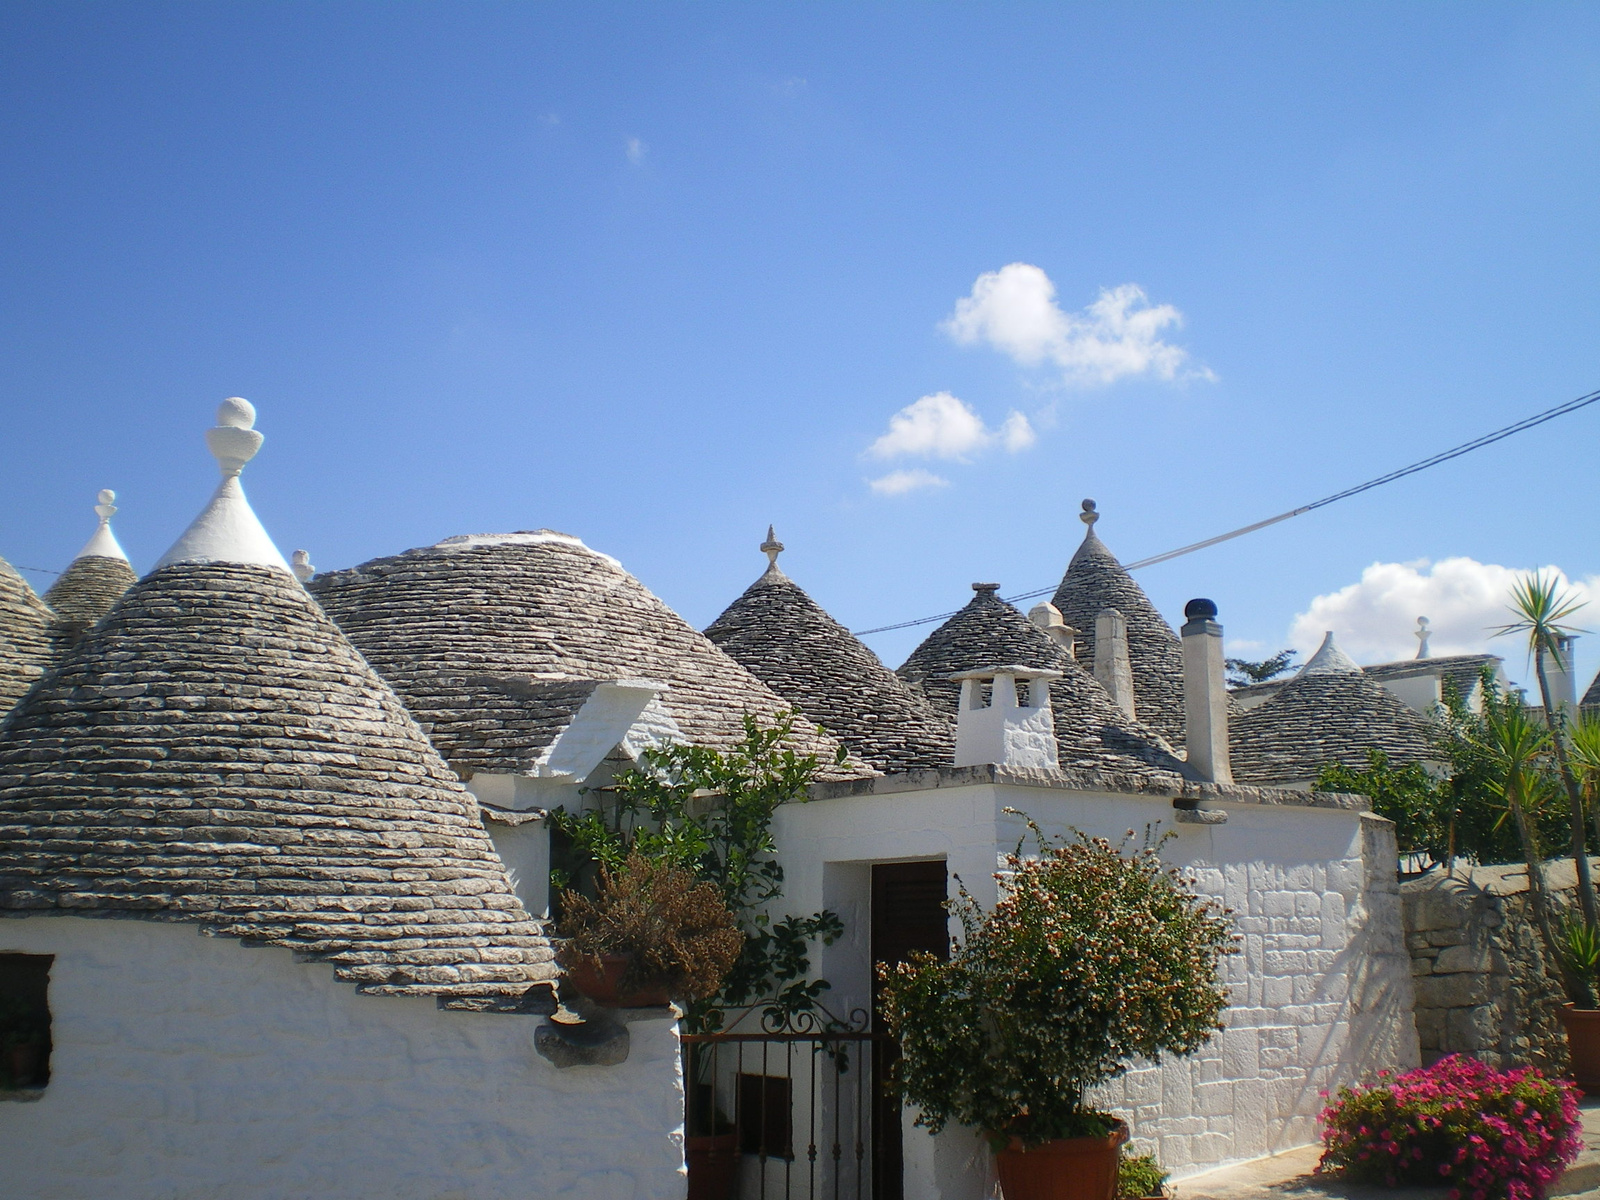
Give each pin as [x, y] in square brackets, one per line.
[786, 640]
[1331, 711]
[25, 636]
[217, 752]
[1092, 733]
[86, 591]
[463, 630]
[95, 580]
[1096, 581]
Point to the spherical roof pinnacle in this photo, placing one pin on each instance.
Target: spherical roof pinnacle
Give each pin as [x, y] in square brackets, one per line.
[1089, 516]
[235, 439]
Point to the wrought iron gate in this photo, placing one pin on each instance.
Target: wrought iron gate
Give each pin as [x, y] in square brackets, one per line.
[781, 1115]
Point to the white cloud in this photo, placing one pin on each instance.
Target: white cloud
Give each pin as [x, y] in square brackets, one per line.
[897, 483]
[1014, 310]
[1374, 620]
[942, 426]
[635, 150]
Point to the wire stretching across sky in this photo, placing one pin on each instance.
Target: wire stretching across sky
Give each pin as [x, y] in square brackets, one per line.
[1487, 439]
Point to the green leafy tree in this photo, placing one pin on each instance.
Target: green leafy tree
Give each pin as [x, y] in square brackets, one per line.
[711, 812]
[1419, 805]
[1242, 672]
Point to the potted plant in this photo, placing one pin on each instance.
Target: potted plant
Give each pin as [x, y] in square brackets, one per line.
[1091, 958]
[651, 934]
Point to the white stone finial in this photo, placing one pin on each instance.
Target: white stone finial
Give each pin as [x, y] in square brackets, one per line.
[227, 530]
[300, 563]
[1422, 634]
[235, 439]
[104, 544]
[772, 547]
[1089, 516]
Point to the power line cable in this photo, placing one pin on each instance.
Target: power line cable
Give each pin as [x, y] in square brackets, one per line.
[1443, 456]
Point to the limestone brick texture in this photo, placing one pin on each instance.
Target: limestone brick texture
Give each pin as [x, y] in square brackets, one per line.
[188, 1067]
[1483, 981]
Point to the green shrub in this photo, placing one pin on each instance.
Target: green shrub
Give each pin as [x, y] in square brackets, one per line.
[1091, 958]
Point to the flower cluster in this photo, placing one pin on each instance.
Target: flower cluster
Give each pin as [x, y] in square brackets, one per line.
[1493, 1135]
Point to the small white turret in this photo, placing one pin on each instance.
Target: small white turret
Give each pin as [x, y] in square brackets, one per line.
[227, 530]
[999, 728]
[1048, 617]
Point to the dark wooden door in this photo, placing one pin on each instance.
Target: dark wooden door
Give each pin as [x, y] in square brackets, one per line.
[907, 914]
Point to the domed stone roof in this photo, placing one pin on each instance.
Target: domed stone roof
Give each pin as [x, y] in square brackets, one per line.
[468, 631]
[25, 636]
[216, 751]
[788, 642]
[1092, 733]
[1332, 711]
[1096, 581]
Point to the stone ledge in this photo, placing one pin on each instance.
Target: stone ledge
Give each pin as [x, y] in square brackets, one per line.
[1168, 786]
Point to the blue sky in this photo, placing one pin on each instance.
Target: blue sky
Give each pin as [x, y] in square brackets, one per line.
[656, 276]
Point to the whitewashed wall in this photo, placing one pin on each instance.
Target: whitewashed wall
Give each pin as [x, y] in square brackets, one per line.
[1321, 993]
[187, 1067]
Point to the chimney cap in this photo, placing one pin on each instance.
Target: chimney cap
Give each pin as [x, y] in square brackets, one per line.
[1019, 672]
[989, 588]
[1200, 609]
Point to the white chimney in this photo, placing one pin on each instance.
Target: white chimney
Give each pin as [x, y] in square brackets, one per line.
[1205, 693]
[1111, 665]
[1048, 617]
[996, 727]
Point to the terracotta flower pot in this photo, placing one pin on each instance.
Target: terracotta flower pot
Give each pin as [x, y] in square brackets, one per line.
[604, 986]
[1070, 1169]
[713, 1163]
[1583, 1045]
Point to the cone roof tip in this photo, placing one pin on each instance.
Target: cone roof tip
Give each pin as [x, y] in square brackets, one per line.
[227, 529]
[772, 547]
[103, 543]
[1330, 660]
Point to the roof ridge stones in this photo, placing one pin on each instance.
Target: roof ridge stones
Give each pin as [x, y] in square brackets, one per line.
[216, 751]
[790, 643]
[1095, 581]
[1092, 733]
[26, 628]
[1321, 717]
[439, 621]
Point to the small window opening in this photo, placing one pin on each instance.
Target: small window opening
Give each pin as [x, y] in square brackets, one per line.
[24, 1022]
[766, 1125]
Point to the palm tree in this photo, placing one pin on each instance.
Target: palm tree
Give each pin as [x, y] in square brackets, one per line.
[1517, 746]
[1541, 608]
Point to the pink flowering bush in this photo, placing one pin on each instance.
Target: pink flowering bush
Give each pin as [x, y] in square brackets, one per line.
[1492, 1135]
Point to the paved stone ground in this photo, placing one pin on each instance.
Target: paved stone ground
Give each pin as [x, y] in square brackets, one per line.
[1288, 1176]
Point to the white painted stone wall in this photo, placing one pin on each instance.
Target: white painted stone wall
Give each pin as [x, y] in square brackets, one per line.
[1321, 990]
[188, 1068]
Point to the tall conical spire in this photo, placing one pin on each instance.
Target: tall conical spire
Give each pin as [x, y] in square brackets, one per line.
[104, 543]
[228, 531]
[1094, 582]
[1330, 660]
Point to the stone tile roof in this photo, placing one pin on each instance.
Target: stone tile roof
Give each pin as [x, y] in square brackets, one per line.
[787, 641]
[448, 625]
[25, 636]
[1591, 697]
[1095, 581]
[215, 751]
[1461, 671]
[1091, 731]
[86, 590]
[1320, 717]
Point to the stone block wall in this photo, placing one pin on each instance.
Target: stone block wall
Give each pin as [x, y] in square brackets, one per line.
[1482, 982]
